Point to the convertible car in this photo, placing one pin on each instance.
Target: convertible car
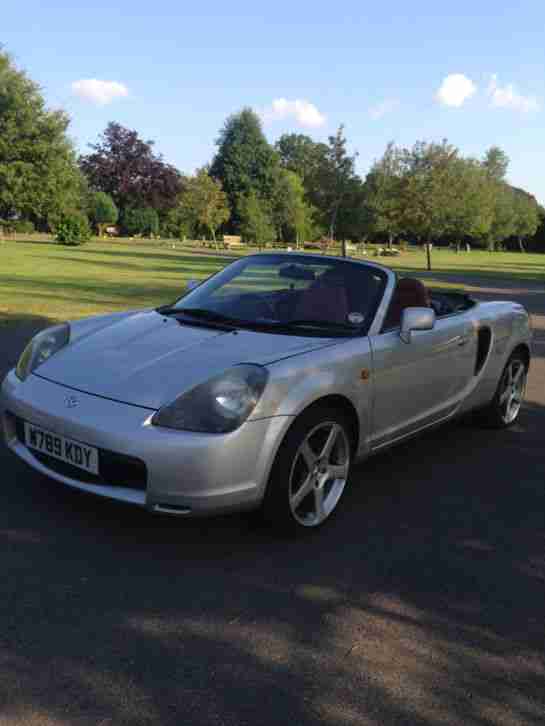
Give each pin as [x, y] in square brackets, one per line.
[259, 387]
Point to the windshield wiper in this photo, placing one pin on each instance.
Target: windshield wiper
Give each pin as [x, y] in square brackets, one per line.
[316, 324]
[203, 315]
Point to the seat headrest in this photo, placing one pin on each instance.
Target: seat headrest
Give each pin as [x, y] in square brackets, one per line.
[409, 293]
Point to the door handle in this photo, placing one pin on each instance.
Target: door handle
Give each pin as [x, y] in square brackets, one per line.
[462, 340]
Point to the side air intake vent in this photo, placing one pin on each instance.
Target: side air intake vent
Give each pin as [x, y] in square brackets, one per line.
[483, 346]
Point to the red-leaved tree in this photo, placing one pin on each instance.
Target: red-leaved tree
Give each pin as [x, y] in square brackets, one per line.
[125, 167]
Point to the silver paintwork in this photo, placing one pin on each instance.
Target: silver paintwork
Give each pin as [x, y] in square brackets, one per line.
[414, 319]
[147, 359]
[123, 367]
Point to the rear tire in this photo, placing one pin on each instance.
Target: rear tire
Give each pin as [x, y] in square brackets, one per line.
[310, 471]
[504, 409]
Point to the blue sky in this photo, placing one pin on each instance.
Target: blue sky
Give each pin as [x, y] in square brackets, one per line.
[474, 73]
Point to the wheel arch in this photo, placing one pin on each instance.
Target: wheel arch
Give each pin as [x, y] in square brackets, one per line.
[524, 350]
[343, 404]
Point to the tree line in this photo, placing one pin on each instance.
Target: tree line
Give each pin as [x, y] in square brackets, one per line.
[294, 191]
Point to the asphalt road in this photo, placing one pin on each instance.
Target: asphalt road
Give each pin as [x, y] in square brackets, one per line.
[421, 603]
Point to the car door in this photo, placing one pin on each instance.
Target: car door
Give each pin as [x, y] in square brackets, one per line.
[421, 382]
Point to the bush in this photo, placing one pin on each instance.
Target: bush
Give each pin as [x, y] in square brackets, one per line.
[256, 224]
[102, 211]
[141, 221]
[175, 226]
[73, 229]
[21, 226]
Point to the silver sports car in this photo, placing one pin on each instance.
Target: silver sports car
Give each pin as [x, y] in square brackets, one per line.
[261, 386]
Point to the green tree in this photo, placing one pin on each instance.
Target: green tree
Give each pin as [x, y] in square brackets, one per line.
[291, 215]
[102, 211]
[309, 160]
[446, 196]
[38, 171]
[383, 194]
[141, 221]
[537, 243]
[471, 202]
[244, 162]
[503, 218]
[495, 162]
[336, 176]
[204, 202]
[302, 155]
[526, 217]
[256, 222]
[176, 223]
[427, 190]
[353, 218]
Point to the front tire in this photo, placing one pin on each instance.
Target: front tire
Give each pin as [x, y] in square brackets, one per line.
[310, 472]
[504, 409]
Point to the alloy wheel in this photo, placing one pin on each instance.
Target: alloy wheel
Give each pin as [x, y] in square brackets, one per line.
[512, 390]
[319, 474]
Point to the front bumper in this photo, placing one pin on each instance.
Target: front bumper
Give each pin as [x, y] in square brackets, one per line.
[187, 473]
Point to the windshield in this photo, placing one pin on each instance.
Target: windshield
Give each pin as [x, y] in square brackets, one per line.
[293, 294]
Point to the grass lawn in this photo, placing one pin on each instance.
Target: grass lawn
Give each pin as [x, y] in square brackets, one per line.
[511, 266]
[43, 279]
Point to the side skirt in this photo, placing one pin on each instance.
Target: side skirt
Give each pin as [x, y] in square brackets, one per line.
[385, 444]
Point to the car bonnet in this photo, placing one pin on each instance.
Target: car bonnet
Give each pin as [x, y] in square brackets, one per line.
[147, 359]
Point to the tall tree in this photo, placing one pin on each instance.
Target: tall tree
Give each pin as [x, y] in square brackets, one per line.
[39, 177]
[336, 174]
[470, 203]
[291, 215]
[244, 162]
[126, 168]
[503, 219]
[496, 162]
[205, 202]
[353, 218]
[301, 154]
[526, 217]
[537, 243]
[383, 194]
[427, 195]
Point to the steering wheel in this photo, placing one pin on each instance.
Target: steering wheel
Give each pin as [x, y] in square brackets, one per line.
[259, 307]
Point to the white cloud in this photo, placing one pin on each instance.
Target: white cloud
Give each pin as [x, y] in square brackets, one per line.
[383, 108]
[508, 97]
[305, 113]
[455, 90]
[99, 92]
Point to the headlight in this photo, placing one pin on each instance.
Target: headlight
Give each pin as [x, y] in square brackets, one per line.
[218, 406]
[41, 348]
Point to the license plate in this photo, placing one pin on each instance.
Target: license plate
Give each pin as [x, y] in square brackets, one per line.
[59, 447]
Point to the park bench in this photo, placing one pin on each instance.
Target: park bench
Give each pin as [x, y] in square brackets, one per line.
[232, 241]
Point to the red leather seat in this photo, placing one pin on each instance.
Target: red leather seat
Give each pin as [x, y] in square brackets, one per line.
[325, 299]
[409, 293]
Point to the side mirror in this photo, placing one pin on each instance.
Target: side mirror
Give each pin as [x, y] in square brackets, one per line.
[416, 319]
[191, 285]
